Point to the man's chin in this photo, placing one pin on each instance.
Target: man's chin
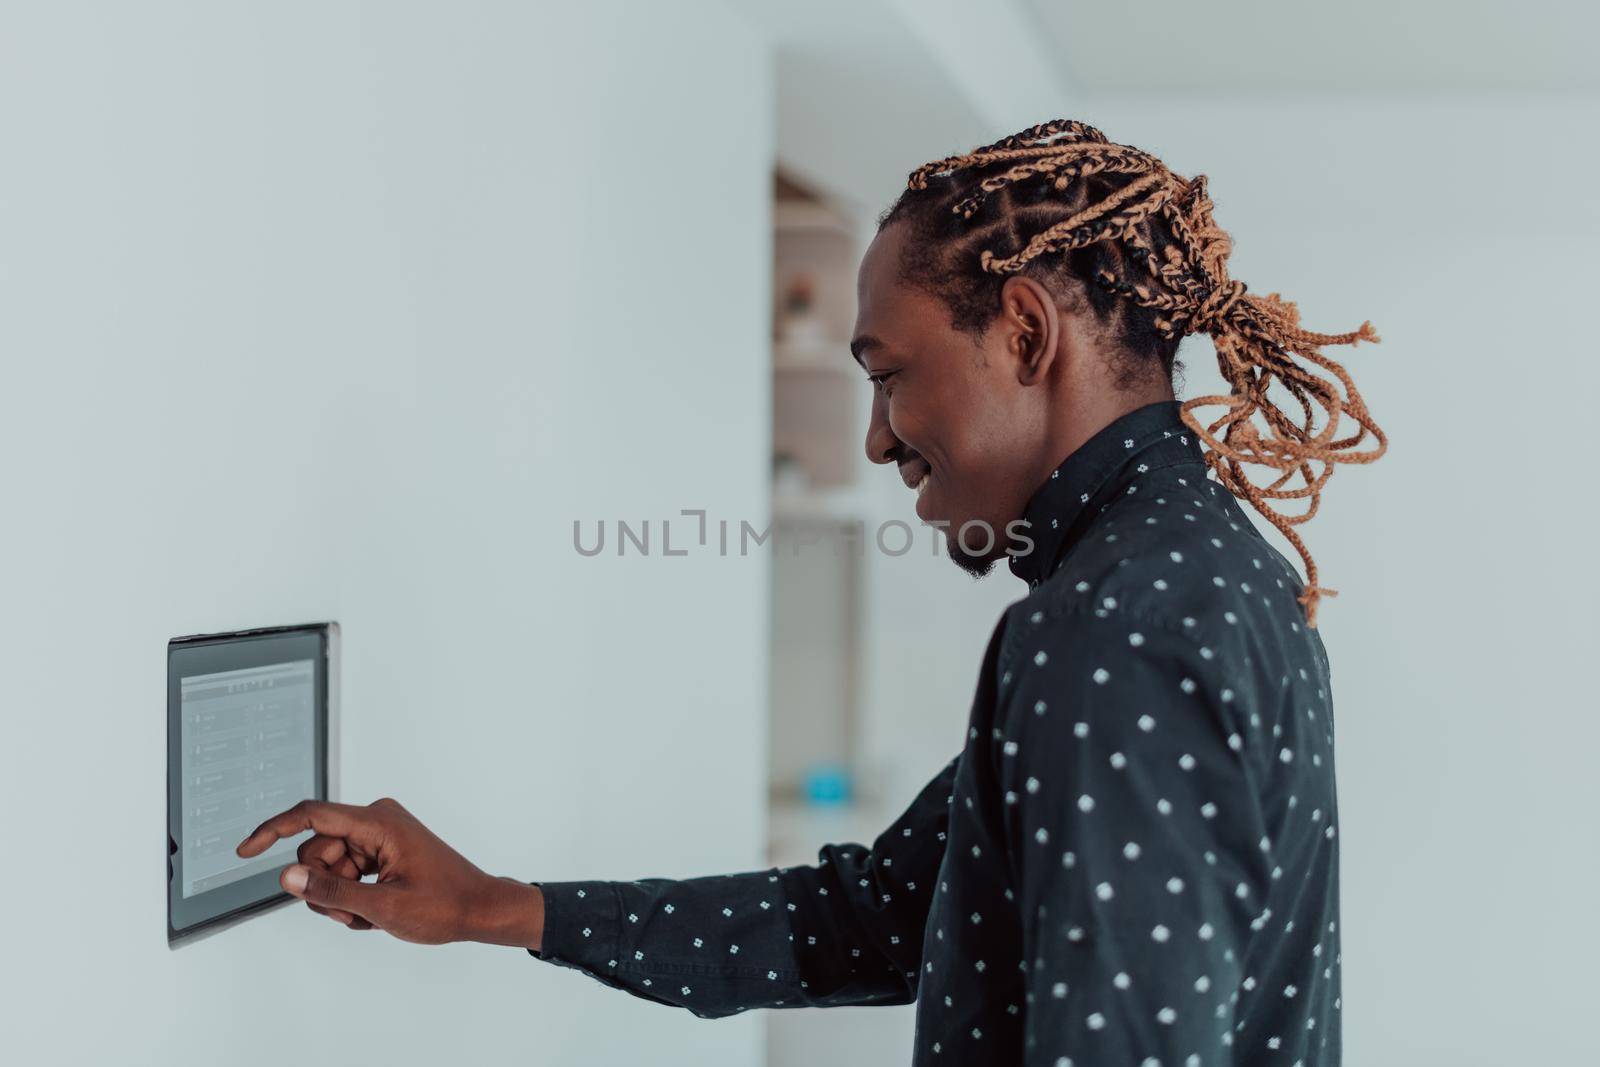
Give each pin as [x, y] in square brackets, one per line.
[979, 534]
[976, 565]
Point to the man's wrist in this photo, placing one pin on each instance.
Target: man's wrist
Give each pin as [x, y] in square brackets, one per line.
[510, 912]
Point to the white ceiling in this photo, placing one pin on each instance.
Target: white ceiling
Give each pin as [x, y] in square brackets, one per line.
[869, 89]
[1327, 46]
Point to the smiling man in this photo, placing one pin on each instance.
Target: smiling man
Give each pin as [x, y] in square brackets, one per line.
[977, 423]
[1134, 858]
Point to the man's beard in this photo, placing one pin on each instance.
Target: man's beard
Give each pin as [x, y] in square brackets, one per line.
[977, 566]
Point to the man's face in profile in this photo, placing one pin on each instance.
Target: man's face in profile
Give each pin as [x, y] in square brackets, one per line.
[947, 409]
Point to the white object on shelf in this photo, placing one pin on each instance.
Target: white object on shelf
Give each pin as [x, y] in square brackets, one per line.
[805, 327]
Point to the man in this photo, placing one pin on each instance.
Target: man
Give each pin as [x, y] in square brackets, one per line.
[1135, 857]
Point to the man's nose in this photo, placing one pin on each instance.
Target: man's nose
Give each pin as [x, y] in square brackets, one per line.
[882, 445]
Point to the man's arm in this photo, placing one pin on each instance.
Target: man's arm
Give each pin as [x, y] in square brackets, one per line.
[1140, 855]
[847, 930]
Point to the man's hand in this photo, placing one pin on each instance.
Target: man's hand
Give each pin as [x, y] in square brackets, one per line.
[425, 891]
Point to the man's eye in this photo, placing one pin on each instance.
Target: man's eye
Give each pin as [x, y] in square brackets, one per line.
[879, 379]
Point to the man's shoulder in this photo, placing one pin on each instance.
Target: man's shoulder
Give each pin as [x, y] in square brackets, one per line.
[1179, 555]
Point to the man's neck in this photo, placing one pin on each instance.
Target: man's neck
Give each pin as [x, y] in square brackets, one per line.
[1086, 412]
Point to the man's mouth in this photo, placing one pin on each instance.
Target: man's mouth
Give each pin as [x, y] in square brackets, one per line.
[915, 474]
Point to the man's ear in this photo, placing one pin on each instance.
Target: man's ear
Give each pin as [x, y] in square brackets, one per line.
[1032, 326]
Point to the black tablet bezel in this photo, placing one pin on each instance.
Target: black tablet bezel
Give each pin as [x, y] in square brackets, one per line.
[207, 654]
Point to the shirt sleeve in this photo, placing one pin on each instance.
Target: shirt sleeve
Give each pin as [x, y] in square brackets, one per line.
[847, 930]
[1136, 839]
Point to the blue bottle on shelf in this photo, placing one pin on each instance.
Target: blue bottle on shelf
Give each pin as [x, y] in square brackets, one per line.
[827, 785]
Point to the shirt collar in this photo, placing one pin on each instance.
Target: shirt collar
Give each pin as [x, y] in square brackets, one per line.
[1062, 508]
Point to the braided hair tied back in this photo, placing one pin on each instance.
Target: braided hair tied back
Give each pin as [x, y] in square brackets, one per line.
[1060, 200]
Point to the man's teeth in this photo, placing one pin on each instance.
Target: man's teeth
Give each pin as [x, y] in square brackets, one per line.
[922, 484]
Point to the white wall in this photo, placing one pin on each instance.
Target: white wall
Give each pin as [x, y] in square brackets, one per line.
[1463, 640]
[346, 311]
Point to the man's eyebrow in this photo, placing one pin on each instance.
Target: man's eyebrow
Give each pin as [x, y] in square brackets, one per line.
[859, 346]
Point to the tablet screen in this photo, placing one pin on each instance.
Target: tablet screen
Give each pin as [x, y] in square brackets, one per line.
[247, 725]
[247, 754]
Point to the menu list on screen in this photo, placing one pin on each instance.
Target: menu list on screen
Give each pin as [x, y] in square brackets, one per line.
[248, 752]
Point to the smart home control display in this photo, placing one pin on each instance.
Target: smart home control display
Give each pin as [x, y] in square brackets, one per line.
[246, 737]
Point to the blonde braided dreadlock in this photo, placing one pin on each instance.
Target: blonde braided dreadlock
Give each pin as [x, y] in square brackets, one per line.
[1059, 199]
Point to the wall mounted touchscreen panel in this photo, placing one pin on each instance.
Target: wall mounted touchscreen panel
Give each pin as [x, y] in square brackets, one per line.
[247, 738]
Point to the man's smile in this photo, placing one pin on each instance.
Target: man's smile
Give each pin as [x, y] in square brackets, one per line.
[915, 472]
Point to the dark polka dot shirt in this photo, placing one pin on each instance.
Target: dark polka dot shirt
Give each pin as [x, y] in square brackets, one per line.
[1133, 860]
